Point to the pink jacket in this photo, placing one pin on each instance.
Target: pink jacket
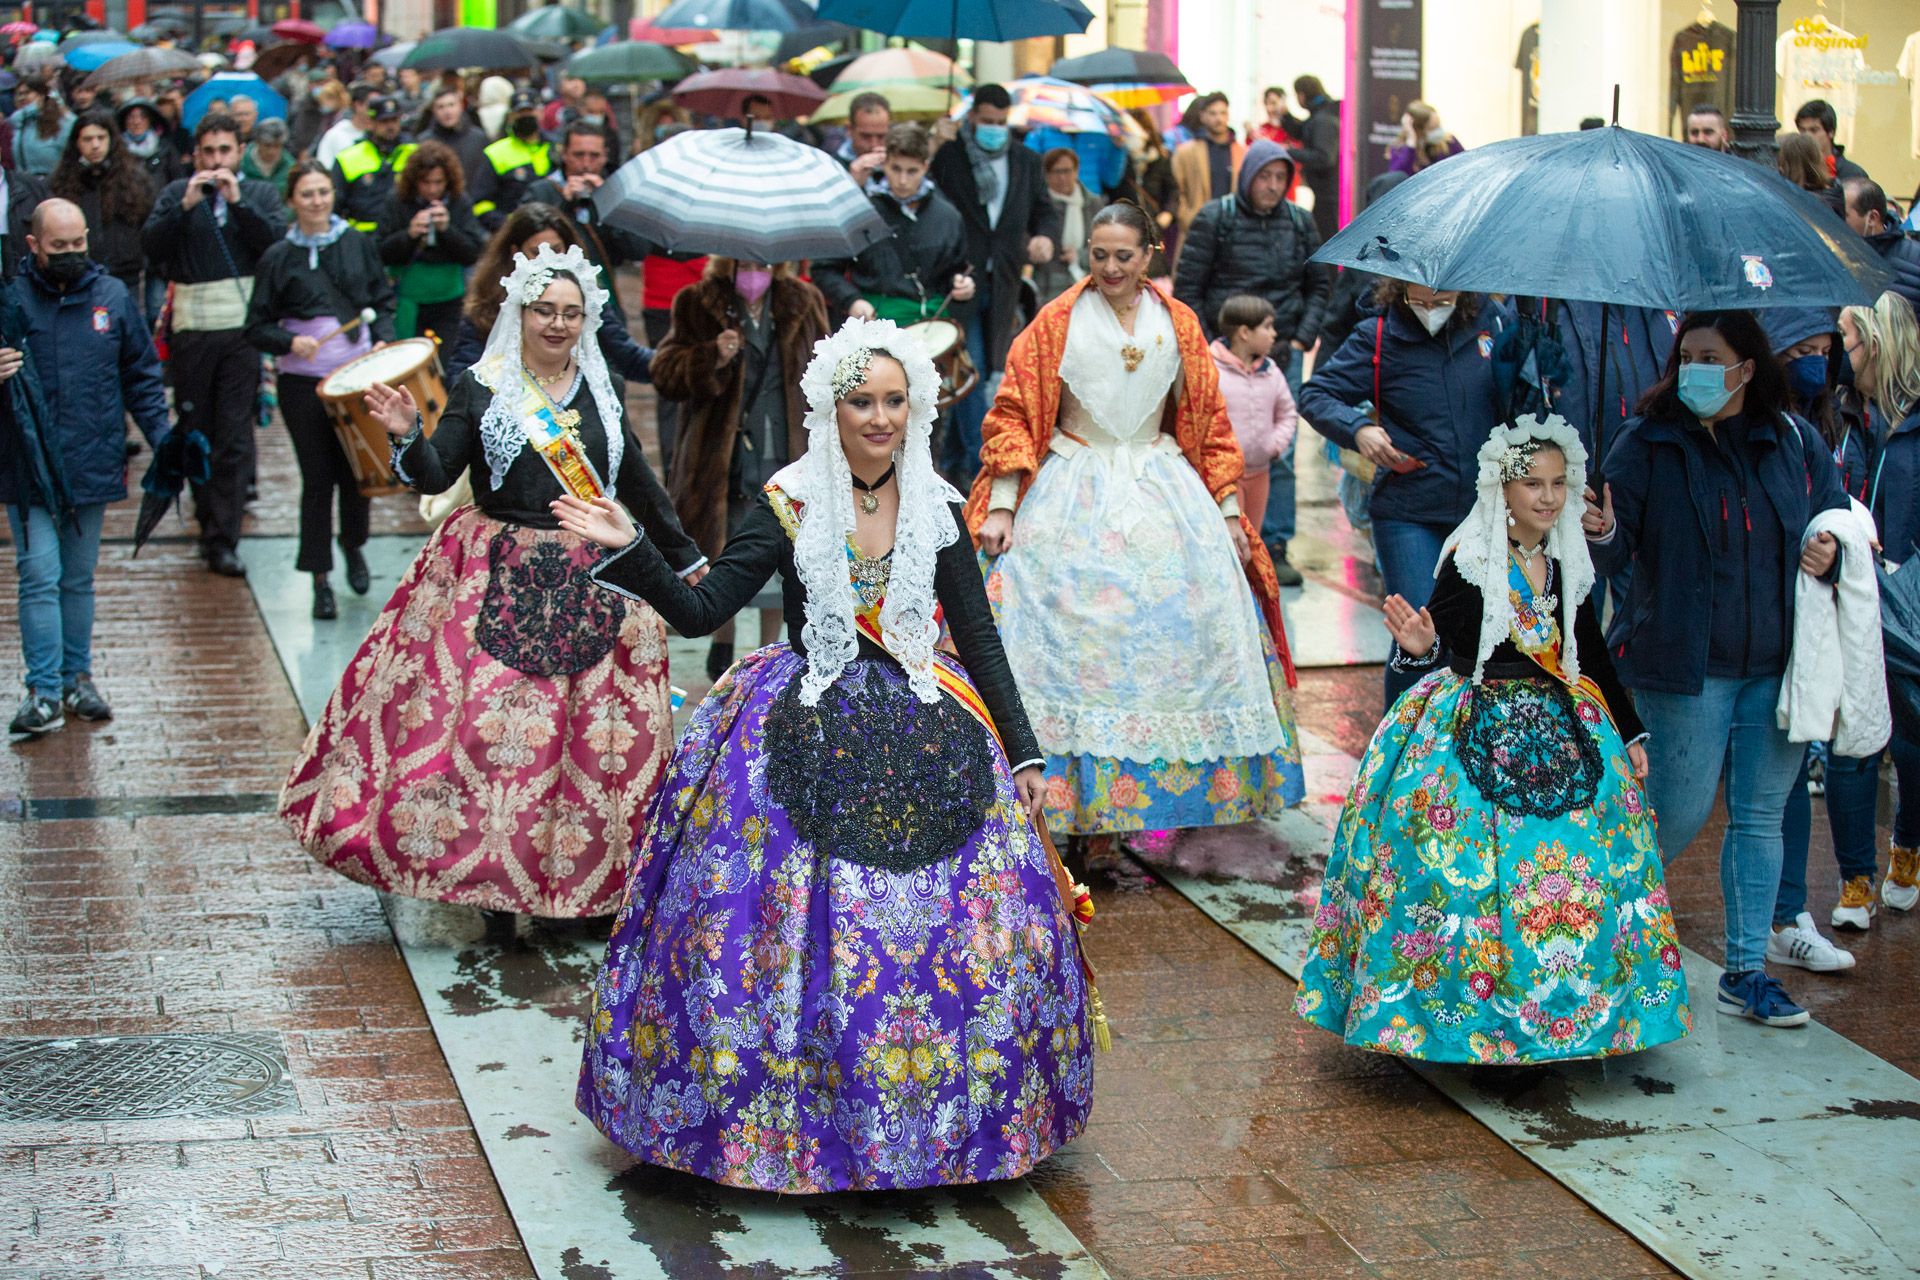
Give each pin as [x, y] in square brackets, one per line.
[1259, 406]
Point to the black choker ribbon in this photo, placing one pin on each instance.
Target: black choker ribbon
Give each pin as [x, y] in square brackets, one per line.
[869, 503]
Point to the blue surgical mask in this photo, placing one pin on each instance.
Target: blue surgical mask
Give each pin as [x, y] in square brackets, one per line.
[1807, 377]
[1703, 388]
[993, 138]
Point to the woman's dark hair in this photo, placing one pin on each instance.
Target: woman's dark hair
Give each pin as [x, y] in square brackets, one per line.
[484, 294]
[126, 196]
[1766, 391]
[301, 168]
[1156, 146]
[1307, 88]
[1390, 292]
[1125, 213]
[52, 110]
[427, 157]
[1243, 311]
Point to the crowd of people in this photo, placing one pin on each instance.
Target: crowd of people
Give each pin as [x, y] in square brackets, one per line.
[1042, 600]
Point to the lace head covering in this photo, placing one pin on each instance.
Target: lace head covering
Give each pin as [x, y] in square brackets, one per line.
[1480, 543]
[822, 482]
[500, 367]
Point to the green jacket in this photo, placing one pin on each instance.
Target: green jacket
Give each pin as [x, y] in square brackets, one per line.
[250, 167]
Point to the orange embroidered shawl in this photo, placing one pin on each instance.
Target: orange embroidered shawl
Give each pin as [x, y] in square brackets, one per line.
[1019, 429]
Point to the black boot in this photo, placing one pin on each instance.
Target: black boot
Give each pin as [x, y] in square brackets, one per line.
[502, 927]
[358, 577]
[719, 658]
[1284, 571]
[324, 607]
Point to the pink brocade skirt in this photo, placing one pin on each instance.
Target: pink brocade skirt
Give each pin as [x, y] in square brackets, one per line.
[445, 767]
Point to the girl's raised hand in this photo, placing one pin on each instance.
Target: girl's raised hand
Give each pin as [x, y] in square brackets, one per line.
[1412, 628]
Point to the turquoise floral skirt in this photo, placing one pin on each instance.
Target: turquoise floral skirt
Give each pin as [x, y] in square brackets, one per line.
[1452, 929]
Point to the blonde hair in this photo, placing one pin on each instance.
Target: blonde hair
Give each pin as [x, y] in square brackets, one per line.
[332, 96]
[1891, 335]
[1425, 120]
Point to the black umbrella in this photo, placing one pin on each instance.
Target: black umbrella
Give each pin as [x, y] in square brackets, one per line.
[483, 49]
[1610, 215]
[802, 39]
[180, 456]
[1900, 637]
[46, 474]
[823, 75]
[1119, 66]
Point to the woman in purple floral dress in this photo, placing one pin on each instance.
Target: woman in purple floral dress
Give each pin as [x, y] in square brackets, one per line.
[844, 959]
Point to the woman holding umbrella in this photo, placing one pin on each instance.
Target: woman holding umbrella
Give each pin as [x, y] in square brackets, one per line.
[1140, 611]
[501, 730]
[428, 238]
[97, 173]
[739, 342]
[305, 288]
[1709, 494]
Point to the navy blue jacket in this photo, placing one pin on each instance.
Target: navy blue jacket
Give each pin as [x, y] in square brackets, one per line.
[1436, 401]
[1900, 250]
[1894, 494]
[1637, 343]
[1668, 528]
[625, 357]
[96, 363]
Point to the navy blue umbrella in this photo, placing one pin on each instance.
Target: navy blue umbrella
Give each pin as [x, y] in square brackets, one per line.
[1610, 215]
[961, 19]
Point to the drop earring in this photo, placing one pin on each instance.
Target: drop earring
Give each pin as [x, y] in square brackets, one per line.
[1510, 520]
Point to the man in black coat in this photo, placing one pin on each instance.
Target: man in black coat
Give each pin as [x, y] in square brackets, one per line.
[997, 186]
[1866, 210]
[1318, 154]
[205, 234]
[1257, 241]
[447, 123]
[584, 148]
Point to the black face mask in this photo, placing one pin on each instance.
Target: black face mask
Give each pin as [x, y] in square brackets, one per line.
[65, 269]
[526, 127]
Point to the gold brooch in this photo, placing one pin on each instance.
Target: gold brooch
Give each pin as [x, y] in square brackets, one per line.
[1131, 356]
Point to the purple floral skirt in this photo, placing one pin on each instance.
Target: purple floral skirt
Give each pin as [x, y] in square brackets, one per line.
[775, 1016]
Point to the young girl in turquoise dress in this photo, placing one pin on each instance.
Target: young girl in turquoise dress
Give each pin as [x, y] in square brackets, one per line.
[1494, 893]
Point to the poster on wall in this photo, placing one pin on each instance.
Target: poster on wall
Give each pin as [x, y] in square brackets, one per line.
[1385, 78]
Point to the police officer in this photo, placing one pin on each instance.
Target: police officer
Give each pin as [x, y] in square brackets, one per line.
[363, 174]
[513, 163]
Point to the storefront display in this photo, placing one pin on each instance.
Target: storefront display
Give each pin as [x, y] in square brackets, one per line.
[1699, 70]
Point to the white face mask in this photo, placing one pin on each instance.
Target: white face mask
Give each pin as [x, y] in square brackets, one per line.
[1435, 318]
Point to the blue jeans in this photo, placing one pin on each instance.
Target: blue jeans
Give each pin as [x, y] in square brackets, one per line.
[1727, 728]
[960, 452]
[1407, 550]
[55, 564]
[1279, 525]
[1853, 795]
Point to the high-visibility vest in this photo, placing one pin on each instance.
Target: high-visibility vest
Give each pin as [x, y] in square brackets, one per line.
[367, 176]
[516, 164]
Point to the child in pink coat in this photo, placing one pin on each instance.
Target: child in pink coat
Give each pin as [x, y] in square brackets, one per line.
[1255, 388]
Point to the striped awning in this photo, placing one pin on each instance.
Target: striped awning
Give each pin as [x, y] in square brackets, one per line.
[759, 198]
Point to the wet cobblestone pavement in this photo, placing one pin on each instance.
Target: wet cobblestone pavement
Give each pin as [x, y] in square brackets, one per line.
[147, 890]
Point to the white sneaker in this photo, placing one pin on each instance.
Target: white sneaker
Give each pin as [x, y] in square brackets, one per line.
[1800, 945]
[1901, 889]
[1856, 906]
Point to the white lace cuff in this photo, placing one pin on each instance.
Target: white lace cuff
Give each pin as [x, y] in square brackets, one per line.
[687, 572]
[398, 446]
[1404, 661]
[1004, 494]
[608, 557]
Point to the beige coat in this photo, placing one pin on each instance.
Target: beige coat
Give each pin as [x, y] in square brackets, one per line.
[1191, 177]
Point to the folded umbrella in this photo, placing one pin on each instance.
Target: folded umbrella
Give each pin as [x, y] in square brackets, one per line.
[630, 62]
[179, 457]
[1610, 215]
[721, 93]
[1900, 639]
[40, 457]
[141, 65]
[755, 196]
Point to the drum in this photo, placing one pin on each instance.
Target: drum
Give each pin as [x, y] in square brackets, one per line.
[946, 345]
[413, 363]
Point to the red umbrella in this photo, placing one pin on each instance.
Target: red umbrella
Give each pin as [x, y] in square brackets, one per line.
[299, 29]
[722, 92]
[18, 31]
[644, 30]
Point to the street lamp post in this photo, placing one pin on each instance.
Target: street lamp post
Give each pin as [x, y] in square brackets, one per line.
[1754, 125]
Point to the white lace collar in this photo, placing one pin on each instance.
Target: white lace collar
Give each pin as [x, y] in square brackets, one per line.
[1094, 369]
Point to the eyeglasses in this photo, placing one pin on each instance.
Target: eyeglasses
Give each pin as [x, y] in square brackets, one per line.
[546, 313]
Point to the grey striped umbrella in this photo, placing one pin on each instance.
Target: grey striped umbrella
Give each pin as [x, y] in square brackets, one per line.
[759, 198]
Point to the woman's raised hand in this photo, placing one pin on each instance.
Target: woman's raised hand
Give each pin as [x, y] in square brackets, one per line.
[393, 408]
[996, 533]
[602, 520]
[1412, 628]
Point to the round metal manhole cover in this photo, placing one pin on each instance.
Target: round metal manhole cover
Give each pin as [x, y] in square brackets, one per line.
[143, 1077]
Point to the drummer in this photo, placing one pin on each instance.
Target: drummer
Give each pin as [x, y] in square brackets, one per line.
[921, 270]
[307, 289]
